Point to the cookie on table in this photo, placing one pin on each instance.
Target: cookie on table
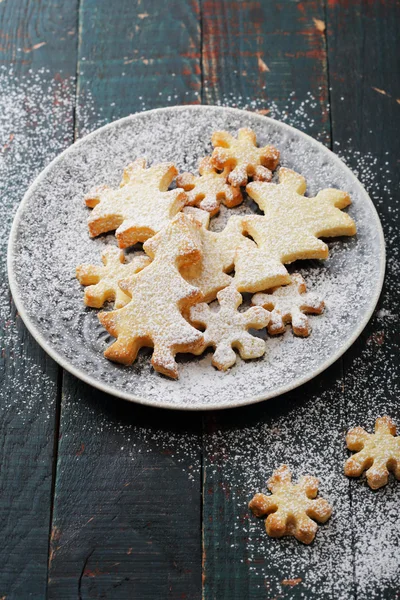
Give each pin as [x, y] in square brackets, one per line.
[376, 453]
[292, 509]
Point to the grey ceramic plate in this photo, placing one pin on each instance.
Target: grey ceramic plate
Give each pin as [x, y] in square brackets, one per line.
[49, 238]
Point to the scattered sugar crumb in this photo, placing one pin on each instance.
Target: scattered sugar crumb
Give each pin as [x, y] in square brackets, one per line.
[305, 431]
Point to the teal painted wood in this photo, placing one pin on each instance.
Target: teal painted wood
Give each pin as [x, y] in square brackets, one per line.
[365, 120]
[114, 535]
[127, 508]
[266, 54]
[139, 55]
[242, 449]
[37, 42]
[270, 52]
[126, 511]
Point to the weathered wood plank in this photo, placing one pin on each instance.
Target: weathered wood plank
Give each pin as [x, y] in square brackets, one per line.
[304, 430]
[139, 55]
[363, 55]
[37, 58]
[273, 51]
[266, 51]
[127, 505]
[127, 508]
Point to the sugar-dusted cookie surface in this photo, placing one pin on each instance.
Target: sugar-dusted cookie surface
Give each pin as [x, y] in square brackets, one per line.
[376, 453]
[140, 207]
[293, 222]
[291, 226]
[219, 251]
[228, 249]
[102, 280]
[291, 507]
[242, 156]
[210, 188]
[228, 329]
[159, 293]
[289, 304]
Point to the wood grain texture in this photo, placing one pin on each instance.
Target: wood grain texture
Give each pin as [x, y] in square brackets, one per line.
[364, 48]
[127, 508]
[242, 449]
[253, 49]
[139, 55]
[36, 41]
[128, 493]
[265, 51]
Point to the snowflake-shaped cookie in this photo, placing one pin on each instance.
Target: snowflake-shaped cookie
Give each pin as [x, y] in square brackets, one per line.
[153, 317]
[378, 453]
[291, 226]
[102, 281]
[291, 507]
[287, 304]
[140, 207]
[208, 190]
[242, 157]
[228, 329]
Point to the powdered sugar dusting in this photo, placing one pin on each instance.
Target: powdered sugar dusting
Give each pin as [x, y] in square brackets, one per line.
[308, 435]
[307, 432]
[35, 125]
[159, 296]
[348, 278]
[227, 328]
[288, 304]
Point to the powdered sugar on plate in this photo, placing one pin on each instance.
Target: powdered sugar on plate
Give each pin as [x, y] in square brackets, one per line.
[306, 432]
[50, 238]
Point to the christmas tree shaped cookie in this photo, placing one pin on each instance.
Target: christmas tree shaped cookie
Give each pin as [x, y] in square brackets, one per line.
[219, 251]
[291, 227]
[159, 295]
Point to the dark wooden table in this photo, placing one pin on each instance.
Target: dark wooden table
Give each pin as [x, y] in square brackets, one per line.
[100, 498]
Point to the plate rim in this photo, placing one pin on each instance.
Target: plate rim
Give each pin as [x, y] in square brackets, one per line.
[106, 388]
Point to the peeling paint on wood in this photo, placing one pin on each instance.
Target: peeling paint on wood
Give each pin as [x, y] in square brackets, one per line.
[28, 377]
[320, 25]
